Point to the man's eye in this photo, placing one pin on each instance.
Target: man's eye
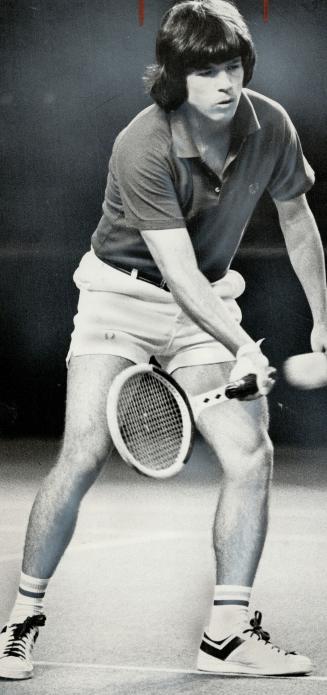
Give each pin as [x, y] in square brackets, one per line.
[234, 66]
[205, 73]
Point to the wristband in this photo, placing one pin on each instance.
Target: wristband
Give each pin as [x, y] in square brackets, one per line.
[249, 348]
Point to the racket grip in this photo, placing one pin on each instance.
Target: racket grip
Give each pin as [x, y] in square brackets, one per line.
[242, 388]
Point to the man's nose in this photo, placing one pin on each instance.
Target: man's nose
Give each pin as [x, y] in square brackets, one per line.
[223, 80]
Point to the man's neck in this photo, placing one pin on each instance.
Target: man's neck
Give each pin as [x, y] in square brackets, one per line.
[205, 131]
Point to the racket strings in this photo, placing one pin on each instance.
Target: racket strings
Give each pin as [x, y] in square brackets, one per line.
[150, 421]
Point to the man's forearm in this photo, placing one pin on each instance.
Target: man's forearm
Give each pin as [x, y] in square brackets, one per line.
[175, 258]
[196, 297]
[306, 254]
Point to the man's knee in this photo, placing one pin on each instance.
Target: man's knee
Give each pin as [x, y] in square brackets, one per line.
[257, 457]
[250, 459]
[80, 465]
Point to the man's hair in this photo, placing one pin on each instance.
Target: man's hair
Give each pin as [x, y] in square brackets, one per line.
[193, 34]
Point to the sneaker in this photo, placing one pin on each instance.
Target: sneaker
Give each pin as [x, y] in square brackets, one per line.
[16, 645]
[251, 654]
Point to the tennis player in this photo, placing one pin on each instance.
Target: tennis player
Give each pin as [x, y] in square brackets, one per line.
[184, 178]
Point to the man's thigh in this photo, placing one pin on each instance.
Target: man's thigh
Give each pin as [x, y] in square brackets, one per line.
[89, 380]
[231, 427]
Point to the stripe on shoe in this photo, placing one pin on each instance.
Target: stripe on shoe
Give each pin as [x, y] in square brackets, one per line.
[222, 653]
[230, 602]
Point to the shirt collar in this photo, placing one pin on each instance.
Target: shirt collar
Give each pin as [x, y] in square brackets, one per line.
[245, 123]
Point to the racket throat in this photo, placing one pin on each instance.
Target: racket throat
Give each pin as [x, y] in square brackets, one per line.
[207, 400]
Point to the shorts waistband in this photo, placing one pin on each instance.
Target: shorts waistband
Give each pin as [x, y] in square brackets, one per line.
[138, 275]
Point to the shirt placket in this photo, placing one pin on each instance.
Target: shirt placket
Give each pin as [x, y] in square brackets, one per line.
[214, 179]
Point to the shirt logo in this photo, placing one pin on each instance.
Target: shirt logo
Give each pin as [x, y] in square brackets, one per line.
[253, 188]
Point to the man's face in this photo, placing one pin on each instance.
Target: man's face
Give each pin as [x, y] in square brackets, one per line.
[215, 91]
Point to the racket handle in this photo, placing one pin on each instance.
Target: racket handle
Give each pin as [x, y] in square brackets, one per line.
[242, 388]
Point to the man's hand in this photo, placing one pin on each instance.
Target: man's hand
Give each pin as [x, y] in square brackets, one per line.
[319, 337]
[250, 360]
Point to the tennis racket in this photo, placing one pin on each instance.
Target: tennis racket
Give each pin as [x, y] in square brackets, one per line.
[152, 420]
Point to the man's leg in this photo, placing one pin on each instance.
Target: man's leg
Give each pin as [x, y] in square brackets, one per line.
[53, 517]
[85, 447]
[237, 432]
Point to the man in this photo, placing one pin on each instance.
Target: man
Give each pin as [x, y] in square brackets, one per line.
[184, 178]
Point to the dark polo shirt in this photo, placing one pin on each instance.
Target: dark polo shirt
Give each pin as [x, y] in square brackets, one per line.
[157, 181]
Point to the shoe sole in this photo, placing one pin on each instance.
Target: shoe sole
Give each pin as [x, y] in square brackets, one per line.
[14, 676]
[223, 668]
[241, 671]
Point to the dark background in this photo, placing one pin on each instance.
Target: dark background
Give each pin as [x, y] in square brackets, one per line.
[71, 72]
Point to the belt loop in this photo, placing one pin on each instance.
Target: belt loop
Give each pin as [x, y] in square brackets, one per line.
[134, 273]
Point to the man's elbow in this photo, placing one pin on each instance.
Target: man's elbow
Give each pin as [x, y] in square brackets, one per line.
[182, 279]
[293, 212]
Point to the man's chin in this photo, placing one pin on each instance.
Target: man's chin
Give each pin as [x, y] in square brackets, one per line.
[220, 118]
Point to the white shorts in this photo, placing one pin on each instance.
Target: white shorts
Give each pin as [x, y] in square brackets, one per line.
[121, 315]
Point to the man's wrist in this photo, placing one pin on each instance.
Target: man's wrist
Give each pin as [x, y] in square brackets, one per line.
[249, 349]
[320, 320]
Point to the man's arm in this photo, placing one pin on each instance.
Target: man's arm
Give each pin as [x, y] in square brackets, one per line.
[306, 254]
[173, 253]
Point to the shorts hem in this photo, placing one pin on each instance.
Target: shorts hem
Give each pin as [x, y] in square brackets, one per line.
[198, 356]
[135, 357]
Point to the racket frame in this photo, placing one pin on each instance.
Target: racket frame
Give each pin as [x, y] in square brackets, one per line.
[190, 408]
[184, 408]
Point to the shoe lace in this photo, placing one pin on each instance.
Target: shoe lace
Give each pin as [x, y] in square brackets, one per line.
[22, 635]
[257, 630]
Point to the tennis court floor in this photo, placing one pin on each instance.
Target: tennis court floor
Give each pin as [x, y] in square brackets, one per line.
[126, 608]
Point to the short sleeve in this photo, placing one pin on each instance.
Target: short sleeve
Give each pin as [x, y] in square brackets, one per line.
[292, 174]
[146, 185]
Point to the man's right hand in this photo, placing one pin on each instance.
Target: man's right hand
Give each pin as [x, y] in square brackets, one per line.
[250, 360]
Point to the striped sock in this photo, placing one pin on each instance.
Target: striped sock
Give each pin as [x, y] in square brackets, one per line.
[229, 613]
[29, 599]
